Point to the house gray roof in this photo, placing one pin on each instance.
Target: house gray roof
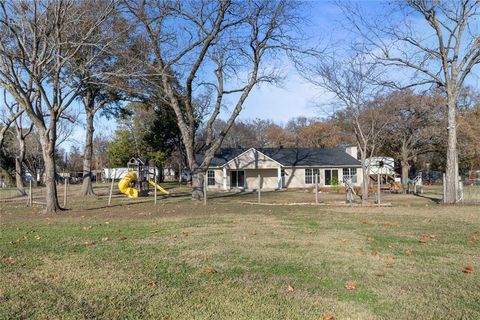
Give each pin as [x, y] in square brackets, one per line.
[292, 157]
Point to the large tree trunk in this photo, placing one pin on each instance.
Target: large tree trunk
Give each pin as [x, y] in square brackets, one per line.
[34, 178]
[366, 178]
[87, 188]
[451, 173]
[19, 163]
[19, 173]
[197, 184]
[405, 171]
[48, 152]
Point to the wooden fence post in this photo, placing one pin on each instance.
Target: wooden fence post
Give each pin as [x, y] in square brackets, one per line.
[155, 187]
[378, 189]
[205, 189]
[65, 192]
[30, 197]
[444, 189]
[259, 187]
[111, 191]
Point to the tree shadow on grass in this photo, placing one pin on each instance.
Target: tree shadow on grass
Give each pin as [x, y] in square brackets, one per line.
[431, 198]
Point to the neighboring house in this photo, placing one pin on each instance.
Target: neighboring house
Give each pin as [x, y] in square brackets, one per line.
[280, 168]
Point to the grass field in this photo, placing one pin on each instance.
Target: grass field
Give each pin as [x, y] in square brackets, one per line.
[233, 259]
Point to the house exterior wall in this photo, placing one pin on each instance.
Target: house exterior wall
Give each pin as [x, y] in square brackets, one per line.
[252, 159]
[294, 178]
[269, 179]
[218, 179]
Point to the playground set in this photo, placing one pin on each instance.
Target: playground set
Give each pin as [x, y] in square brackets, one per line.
[136, 183]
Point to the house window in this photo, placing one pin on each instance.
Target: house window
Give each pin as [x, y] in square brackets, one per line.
[210, 178]
[331, 177]
[310, 174]
[351, 174]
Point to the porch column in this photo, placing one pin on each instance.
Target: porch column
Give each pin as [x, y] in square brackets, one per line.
[224, 178]
[279, 177]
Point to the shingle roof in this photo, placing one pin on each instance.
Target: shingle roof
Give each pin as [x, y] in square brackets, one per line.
[291, 157]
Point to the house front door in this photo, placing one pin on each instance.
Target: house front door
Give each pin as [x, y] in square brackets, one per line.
[237, 179]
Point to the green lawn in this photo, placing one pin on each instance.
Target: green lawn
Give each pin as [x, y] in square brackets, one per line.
[234, 260]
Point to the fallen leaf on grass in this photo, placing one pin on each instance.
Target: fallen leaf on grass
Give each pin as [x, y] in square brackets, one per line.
[365, 222]
[424, 239]
[185, 233]
[374, 253]
[351, 285]
[8, 260]
[408, 252]
[344, 241]
[290, 288]
[389, 257]
[87, 228]
[468, 269]
[152, 284]
[359, 253]
[388, 225]
[122, 238]
[210, 270]
[89, 243]
[370, 239]
[37, 237]
[473, 238]
[389, 266]
[104, 239]
[328, 316]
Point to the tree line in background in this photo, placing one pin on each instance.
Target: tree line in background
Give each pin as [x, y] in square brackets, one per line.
[176, 74]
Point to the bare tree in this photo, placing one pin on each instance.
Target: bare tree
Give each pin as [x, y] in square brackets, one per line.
[22, 130]
[36, 51]
[415, 127]
[93, 64]
[353, 81]
[14, 116]
[7, 117]
[33, 157]
[439, 41]
[199, 54]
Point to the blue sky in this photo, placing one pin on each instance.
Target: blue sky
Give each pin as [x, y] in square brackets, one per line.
[296, 97]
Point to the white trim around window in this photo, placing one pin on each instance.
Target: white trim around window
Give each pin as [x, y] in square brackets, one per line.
[210, 178]
[310, 174]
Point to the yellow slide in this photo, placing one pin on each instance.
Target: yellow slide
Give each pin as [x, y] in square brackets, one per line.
[124, 185]
[165, 192]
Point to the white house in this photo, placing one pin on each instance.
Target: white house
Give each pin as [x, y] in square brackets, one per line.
[278, 168]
